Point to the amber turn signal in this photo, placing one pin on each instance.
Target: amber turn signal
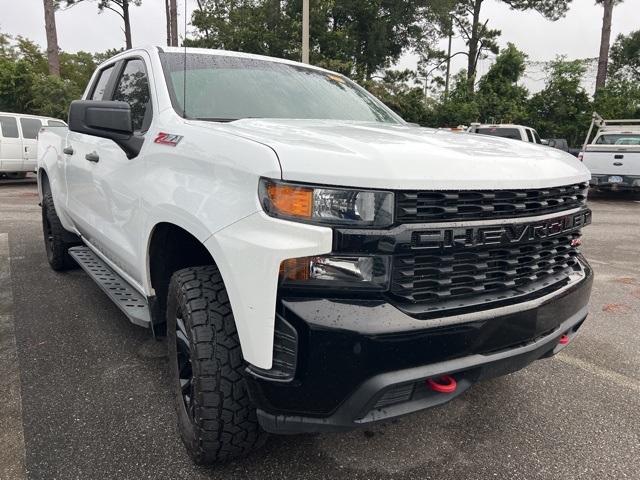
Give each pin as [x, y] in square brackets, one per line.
[289, 200]
[295, 269]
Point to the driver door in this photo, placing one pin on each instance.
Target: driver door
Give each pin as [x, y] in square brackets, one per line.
[104, 185]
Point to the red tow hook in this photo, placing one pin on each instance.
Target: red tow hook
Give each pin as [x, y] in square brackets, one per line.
[563, 339]
[444, 384]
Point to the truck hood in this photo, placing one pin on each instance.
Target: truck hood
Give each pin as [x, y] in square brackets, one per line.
[405, 157]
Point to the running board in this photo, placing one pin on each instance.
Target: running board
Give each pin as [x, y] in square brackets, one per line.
[133, 304]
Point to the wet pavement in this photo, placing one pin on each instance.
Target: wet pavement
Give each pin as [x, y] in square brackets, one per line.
[86, 394]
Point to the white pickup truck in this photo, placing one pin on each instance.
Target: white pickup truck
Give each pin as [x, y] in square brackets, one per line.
[507, 130]
[316, 263]
[613, 157]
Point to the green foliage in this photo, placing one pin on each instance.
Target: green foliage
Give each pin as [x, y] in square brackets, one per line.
[562, 109]
[625, 58]
[51, 96]
[461, 108]
[359, 38]
[500, 98]
[253, 26]
[30, 52]
[550, 9]
[480, 39]
[104, 56]
[16, 85]
[393, 89]
[25, 85]
[77, 68]
[619, 99]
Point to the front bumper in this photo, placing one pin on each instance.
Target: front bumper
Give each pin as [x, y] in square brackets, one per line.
[602, 182]
[364, 362]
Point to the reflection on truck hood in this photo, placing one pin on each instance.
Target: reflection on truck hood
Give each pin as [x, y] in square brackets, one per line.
[405, 157]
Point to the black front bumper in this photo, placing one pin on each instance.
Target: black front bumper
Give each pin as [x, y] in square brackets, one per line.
[363, 362]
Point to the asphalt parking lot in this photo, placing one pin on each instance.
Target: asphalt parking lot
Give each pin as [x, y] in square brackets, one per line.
[85, 394]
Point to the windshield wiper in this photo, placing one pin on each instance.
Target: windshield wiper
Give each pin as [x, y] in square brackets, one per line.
[211, 119]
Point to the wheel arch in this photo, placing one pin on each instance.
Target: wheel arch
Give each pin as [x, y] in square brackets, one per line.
[172, 248]
[43, 183]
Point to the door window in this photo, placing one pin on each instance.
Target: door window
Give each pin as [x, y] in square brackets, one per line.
[133, 88]
[529, 135]
[537, 137]
[9, 127]
[30, 127]
[101, 84]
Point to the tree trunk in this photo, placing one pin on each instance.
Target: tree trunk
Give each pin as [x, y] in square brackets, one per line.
[127, 23]
[605, 39]
[473, 45]
[173, 7]
[52, 38]
[168, 16]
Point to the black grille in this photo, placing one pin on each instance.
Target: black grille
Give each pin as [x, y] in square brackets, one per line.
[442, 277]
[435, 206]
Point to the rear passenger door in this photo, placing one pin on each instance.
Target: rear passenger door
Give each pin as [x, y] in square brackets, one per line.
[104, 185]
[11, 159]
[30, 128]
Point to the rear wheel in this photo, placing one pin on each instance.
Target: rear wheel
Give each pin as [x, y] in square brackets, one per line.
[216, 419]
[56, 247]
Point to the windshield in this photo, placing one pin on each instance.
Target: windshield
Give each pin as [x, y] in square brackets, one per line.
[618, 139]
[225, 88]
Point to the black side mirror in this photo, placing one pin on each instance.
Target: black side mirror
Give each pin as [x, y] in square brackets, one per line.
[106, 119]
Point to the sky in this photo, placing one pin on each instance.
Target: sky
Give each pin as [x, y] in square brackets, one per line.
[82, 28]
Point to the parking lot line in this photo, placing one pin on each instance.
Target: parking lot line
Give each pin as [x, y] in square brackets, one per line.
[609, 375]
[12, 449]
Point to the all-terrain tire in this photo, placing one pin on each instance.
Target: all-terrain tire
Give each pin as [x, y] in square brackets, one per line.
[216, 419]
[56, 247]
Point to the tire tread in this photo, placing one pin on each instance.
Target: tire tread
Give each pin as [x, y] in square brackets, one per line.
[57, 253]
[226, 423]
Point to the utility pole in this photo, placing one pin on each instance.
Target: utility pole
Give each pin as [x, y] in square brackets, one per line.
[305, 31]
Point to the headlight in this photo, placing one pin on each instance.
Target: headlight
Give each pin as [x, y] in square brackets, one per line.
[335, 272]
[332, 206]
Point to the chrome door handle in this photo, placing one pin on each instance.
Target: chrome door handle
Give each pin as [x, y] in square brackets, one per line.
[68, 151]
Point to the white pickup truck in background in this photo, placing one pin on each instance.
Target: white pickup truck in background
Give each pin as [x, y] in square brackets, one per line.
[613, 157]
[316, 263]
[507, 130]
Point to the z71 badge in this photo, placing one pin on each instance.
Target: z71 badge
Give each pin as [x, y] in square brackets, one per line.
[168, 139]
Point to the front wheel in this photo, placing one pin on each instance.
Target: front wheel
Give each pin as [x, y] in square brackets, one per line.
[216, 419]
[54, 243]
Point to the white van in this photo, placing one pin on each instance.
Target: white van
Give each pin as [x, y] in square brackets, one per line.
[18, 142]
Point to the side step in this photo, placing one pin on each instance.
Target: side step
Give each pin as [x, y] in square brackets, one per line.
[133, 304]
